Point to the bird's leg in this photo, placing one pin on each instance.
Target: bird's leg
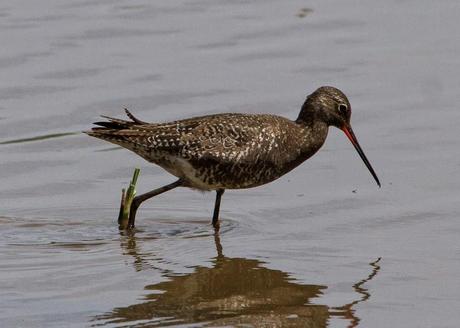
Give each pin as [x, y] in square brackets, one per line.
[215, 217]
[137, 201]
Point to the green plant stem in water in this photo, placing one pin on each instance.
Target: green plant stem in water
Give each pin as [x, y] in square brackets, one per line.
[127, 197]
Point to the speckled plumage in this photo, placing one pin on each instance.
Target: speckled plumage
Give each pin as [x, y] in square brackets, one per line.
[223, 151]
[233, 151]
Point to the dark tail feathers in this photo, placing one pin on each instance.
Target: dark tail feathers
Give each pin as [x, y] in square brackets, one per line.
[118, 124]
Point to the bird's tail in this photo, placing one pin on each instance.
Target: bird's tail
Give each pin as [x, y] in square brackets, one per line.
[117, 131]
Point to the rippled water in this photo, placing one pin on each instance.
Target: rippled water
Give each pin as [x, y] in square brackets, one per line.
[320, 247]
[71, 263]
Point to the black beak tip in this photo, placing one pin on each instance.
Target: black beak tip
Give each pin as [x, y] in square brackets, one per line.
[349, 133]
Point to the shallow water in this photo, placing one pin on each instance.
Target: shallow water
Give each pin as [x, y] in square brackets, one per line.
[323, 246]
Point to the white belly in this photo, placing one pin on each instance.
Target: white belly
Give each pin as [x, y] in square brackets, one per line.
[181, 168]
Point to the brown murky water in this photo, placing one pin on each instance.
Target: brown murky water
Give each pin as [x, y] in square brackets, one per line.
[321, 247]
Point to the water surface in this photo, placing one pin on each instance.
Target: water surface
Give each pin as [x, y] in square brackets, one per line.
[323, 246]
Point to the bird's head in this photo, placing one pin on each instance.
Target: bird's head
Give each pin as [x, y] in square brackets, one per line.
[331, 106]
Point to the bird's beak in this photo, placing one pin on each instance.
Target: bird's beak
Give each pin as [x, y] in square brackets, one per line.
[349, 133]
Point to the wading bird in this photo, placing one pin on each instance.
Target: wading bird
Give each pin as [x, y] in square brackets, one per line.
[232, 150]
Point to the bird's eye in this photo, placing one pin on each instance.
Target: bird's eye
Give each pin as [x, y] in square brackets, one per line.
[343, 109]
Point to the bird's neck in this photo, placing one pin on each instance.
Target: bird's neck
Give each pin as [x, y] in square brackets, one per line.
[307, 141]
[307, 114]
[314, 135]
[313, 126]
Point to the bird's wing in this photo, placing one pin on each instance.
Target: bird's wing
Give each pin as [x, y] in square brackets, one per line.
[226, 138]
[221, 137]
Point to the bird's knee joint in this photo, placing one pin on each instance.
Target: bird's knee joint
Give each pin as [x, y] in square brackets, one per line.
[135, 204]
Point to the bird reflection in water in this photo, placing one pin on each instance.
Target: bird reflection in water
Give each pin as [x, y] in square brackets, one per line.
[233, 292]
